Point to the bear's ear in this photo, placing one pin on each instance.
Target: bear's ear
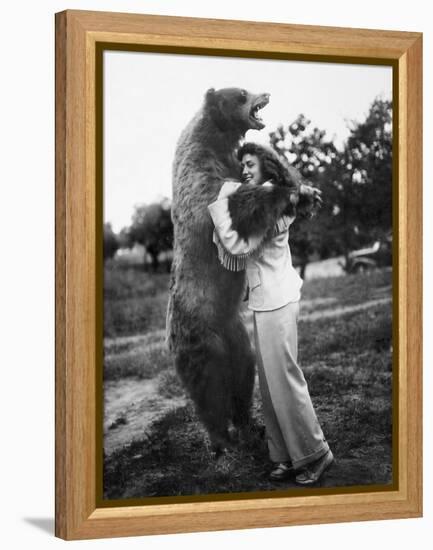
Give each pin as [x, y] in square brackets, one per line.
[215, 105]
[210, 95]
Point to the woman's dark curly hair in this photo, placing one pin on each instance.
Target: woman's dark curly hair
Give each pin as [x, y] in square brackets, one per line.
[273, 167]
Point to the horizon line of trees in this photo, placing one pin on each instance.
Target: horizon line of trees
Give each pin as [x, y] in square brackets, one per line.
[356, 183]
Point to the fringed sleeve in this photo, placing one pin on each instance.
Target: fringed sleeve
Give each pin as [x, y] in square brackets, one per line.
[243, 227]
[233, 251]
[239, 262]
[233, 262]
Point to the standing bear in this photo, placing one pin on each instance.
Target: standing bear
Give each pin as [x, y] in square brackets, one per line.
[206, 335]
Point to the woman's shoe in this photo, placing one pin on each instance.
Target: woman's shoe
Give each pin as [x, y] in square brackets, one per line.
[311, 474]
[282, 471]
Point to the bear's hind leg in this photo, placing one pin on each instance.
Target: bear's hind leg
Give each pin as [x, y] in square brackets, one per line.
[243, 373]
[214, 410]
[205, 371]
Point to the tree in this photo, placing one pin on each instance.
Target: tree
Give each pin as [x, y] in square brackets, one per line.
[125, 239]
[311, 153]
[152, 227]
[369, 168]
[356, 182]
[111, 243]
[361, 181]
[308, 151]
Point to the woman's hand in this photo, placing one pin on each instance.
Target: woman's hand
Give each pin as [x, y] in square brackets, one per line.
[229, 187]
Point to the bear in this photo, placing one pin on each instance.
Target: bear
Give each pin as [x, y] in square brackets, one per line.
[205, 333]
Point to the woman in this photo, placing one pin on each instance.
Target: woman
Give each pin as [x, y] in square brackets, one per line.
[295, 438]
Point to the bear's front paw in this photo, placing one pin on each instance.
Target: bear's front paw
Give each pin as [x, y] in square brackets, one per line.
[310, 200]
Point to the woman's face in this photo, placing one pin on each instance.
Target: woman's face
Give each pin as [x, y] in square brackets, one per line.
[251, 171]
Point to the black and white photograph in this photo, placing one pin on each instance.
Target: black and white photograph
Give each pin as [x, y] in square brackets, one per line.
[247, 275]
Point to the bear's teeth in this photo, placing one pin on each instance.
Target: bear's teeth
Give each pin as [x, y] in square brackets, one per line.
[256, 115]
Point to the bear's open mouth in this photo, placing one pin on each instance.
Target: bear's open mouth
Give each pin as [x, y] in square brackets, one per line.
[261, 102]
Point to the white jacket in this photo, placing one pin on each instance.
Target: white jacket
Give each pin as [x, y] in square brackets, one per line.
[273, 281]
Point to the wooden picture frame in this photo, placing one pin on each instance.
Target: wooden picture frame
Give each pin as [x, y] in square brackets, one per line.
[80, 38]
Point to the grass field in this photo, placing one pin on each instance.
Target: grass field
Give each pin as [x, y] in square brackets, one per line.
[154, 445]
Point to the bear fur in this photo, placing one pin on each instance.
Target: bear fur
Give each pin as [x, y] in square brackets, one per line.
[206, 335]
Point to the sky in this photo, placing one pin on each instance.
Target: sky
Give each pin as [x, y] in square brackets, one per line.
[149, 98]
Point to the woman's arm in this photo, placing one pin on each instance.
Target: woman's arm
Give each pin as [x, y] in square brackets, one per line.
[228, 237]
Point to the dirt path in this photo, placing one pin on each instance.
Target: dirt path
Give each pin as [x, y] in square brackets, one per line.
[130, 405]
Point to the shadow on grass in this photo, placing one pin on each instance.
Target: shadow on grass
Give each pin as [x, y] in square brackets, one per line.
[174, 459]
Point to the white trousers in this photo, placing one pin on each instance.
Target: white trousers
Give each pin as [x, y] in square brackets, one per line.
[293, 431]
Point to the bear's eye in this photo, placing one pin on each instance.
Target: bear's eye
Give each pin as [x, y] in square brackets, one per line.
[243, 96]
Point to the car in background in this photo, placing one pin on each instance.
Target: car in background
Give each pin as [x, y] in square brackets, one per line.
[379, 254]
